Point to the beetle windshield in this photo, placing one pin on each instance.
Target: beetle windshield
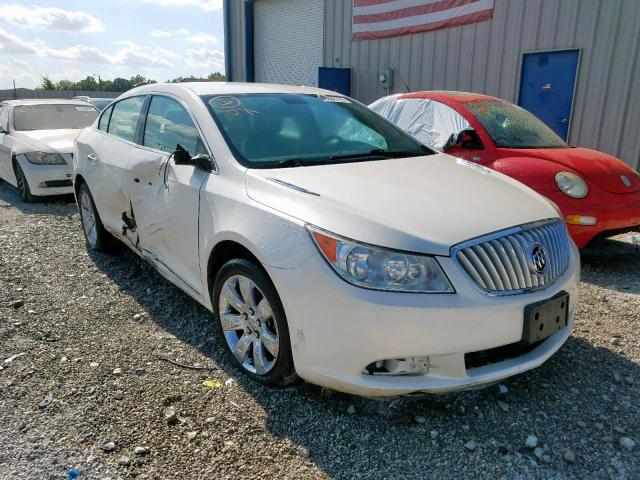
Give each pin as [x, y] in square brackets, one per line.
[268, 130]
[53, 117]
[510, 126]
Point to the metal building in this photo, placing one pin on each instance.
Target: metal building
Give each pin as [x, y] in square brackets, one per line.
[595, 44]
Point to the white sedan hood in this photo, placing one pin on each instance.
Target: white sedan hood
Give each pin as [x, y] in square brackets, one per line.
[50, 141]
[419, 204]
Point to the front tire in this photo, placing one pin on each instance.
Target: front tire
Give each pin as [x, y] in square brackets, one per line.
[98, 239]
[23, 184]
[251, 323]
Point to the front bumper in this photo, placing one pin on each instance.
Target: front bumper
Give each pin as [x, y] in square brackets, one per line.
[615, 213]
[337, 329]
[47, 180]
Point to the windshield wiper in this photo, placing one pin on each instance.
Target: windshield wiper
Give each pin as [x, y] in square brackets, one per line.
[289, 162]
[376, 152]
[379, 152]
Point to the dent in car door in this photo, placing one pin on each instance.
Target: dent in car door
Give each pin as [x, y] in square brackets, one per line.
[108, 161]
[165, 197]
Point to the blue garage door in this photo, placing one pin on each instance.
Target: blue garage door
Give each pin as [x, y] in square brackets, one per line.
[547, 82]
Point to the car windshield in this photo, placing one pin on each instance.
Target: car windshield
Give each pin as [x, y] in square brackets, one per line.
[510, 126]
[270, 130]
[53, 116]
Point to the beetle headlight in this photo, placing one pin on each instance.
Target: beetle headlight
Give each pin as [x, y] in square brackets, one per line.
[381, 269]
[571, 184]
[42, 158]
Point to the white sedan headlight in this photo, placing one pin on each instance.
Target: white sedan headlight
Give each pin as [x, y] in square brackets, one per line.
[381, 269]
[42, 158]
[571, 184]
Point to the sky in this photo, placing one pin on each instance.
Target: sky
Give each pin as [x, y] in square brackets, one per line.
[65, 39]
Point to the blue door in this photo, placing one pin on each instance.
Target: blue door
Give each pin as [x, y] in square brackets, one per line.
[547, 81]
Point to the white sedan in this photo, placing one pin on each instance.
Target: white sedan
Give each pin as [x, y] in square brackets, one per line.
[36, 141]
[329, 244]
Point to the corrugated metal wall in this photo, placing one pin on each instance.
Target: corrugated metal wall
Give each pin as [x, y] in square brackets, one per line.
[291, 54]
[485, 57]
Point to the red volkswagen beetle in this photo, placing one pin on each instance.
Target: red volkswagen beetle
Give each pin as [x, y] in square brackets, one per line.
[598, 194]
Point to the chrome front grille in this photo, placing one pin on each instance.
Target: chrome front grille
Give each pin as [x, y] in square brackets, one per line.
[508, 262]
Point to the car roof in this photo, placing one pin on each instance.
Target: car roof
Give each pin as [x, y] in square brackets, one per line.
[226, 88]
[44, 101]
[448, 96]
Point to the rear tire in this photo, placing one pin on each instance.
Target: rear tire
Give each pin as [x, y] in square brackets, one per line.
[251, 324]
[23, 184]
[98, 239]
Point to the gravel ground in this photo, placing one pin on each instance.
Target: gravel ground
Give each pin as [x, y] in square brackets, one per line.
[83, 383]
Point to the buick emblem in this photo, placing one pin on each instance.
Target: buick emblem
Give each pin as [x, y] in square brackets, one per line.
[625, 180]
[538, 261]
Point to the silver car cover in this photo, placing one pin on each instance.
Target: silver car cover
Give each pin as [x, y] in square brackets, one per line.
[431, 122]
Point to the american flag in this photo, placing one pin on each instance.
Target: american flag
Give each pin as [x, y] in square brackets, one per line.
[389, 18]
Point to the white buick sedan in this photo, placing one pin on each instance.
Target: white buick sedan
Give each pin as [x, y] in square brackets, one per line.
[36, 141]
[329, 244]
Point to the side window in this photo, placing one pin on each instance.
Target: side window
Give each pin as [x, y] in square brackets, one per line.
[124, 118]
[103, 123]
[168, 124]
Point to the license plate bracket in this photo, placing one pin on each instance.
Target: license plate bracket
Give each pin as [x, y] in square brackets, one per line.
[543, 319]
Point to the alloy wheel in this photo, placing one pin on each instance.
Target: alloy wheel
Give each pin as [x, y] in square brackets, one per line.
[249, 325]
[88, 219]
[21, 181]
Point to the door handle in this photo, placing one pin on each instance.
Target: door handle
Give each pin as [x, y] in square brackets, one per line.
[92, 157]
[564, 121]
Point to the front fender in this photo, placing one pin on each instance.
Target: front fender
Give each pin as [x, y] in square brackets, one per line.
[535, 173]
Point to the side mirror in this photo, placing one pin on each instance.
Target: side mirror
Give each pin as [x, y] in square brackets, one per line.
[469, 139]
[201, 161]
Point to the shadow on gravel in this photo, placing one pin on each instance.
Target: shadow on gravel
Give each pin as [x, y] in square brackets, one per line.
[426, 437]
[52, 205]
[606, 262]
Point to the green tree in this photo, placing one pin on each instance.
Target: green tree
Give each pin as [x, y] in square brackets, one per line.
[217, 77]
[121, 85]
[88, 84]
[47, 84]
[65, 85]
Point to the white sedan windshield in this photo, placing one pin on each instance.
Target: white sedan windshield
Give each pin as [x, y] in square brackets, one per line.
[269, 130]
[53, 117]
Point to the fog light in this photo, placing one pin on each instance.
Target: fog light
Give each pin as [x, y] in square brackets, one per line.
[581, 220]
[399, 366]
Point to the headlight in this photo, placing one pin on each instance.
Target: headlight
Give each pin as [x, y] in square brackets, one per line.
[572, 184]
[380, 269]
[43, 158]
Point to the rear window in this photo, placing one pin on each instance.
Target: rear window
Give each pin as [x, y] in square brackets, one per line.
[124, 118]
[53, 116]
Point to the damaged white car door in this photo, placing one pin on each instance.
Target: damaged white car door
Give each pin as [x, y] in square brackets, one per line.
[164, 197]
[5, 150]
[108, 159]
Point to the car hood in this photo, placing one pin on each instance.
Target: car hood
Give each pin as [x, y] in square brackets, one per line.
[419, 204]
[50, 141]
[602, 169]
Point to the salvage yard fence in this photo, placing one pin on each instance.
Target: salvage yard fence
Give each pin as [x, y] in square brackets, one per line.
[23, 93]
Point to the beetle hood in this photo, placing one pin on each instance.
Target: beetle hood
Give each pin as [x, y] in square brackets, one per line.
[420, 204]
[602, 169]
